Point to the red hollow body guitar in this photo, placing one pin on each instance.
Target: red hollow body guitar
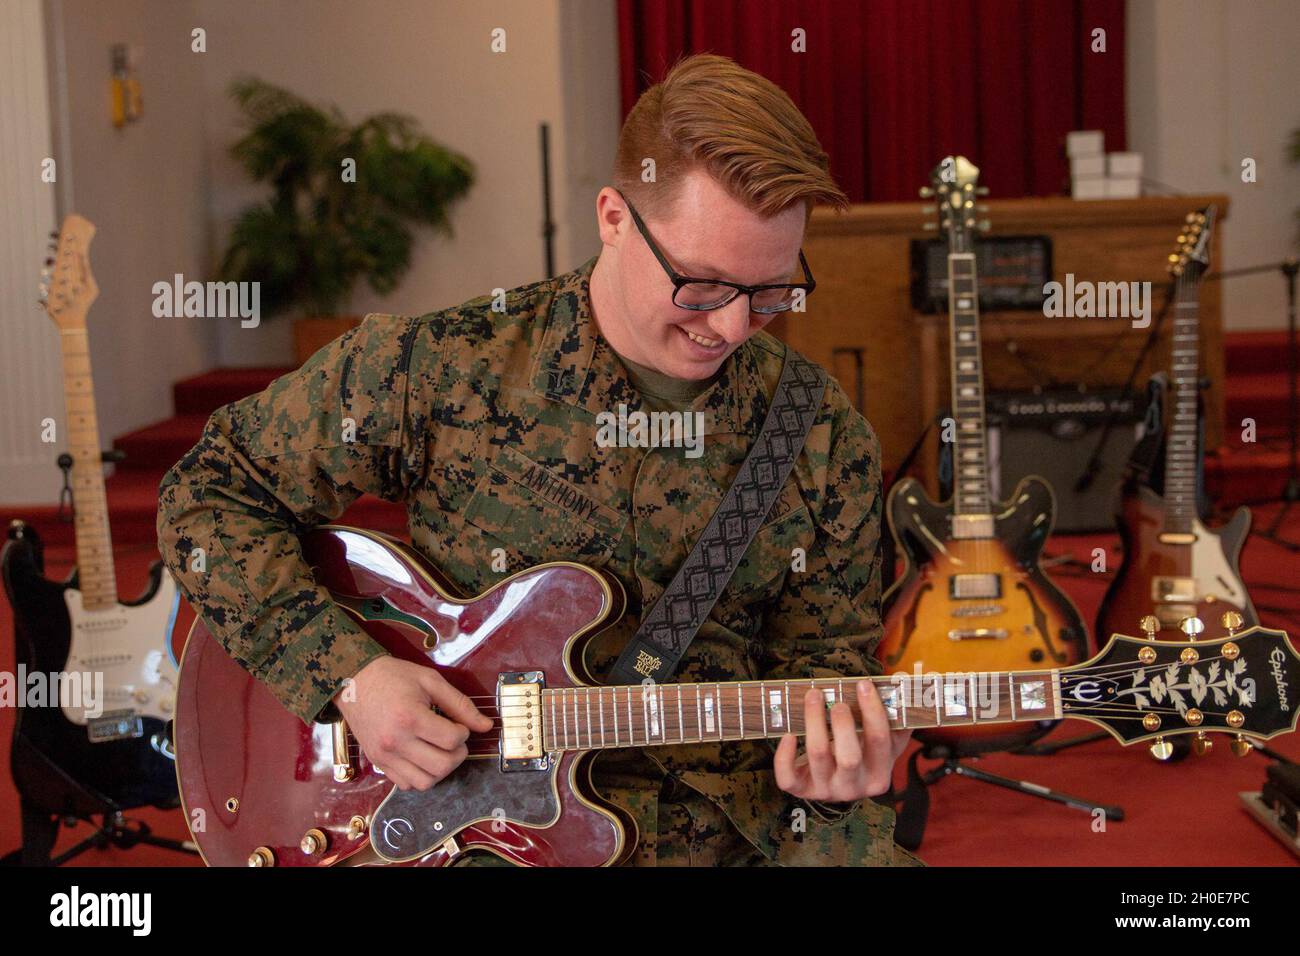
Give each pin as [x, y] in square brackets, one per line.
[261, 788]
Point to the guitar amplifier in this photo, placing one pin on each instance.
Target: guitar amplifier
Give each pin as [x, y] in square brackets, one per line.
[1012, 272]
[1053, 434]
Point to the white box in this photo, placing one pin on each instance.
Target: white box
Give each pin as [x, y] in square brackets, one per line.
[1088, 142]
[1123, 187]
[1124, 165]
[1088, 187]
[1085, 166]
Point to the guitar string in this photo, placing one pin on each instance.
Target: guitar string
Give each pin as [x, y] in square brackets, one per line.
[1113, 671]
[644, 730]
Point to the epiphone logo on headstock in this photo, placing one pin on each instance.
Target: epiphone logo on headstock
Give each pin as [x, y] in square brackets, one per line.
[1275, 659]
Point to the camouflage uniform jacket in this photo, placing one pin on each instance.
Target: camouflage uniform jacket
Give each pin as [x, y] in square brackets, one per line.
[483, 422]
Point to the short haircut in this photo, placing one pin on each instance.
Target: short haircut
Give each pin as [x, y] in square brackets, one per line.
[709, 112]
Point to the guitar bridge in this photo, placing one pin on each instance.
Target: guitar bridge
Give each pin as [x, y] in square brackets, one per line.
[519, 701]
[115, 725]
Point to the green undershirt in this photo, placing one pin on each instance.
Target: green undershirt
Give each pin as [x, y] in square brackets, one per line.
[663, 393]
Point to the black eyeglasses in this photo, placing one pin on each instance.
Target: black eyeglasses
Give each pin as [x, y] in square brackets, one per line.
[705, 295]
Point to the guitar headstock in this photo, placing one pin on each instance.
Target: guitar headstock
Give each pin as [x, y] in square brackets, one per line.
[1191, 255]
[68, 286]
[1246, 684]
[954, 183]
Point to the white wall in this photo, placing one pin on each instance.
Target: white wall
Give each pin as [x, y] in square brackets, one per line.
[30, 382]
[1209, 83]
[433, 60]
[144, 187]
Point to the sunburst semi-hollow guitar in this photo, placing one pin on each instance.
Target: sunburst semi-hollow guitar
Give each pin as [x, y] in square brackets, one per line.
[973, 596]
[72, 759]
[273, 791]
[1174, 566]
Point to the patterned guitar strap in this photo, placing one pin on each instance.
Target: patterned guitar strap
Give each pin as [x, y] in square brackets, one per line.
[671, 623]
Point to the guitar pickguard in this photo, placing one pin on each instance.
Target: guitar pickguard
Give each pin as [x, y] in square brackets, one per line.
[121, 653]
[1215, 575]
[411, 823]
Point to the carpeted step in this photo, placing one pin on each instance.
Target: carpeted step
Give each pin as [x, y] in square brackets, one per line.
[158, 446]
[1241, 476]
[1248, 352]
[204, 394]
[133, 509]
[1261, 396]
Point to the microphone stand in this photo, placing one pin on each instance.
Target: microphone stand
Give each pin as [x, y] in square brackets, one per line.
[1289, 268]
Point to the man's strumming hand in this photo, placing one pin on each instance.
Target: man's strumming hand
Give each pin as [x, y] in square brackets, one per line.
[389, 709]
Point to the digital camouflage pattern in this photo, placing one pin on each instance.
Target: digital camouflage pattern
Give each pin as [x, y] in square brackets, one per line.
[483, 422]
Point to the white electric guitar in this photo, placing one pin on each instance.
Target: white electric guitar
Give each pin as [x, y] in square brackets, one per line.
[119, 651]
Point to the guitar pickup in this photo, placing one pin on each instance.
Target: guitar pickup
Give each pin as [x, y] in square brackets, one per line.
[519, 701]
[986, 586]
[1172, 590]
[115, 725]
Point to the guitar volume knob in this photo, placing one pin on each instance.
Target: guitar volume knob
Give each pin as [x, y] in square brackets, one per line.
[313, 842]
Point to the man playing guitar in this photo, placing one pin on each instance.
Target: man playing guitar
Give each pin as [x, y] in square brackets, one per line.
[483, 419]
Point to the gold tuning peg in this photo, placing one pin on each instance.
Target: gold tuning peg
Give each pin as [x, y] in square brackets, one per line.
[1240, 745]
[929, 210]
[1191, 217]
[1150, 626]
[929, 226]
[1201, 744]
[926, 192]
[1162, 749]
[1231, 622]
[1191, 626]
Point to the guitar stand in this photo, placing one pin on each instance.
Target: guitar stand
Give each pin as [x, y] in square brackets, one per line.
[114, 830]
[915, 800]
[1292, 491]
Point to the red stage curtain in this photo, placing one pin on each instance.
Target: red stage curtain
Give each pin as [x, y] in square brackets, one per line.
[892, 86]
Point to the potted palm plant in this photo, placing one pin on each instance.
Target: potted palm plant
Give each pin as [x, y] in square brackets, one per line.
[343, 201]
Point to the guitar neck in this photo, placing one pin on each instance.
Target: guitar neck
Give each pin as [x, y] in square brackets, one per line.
[598, 718]
[96, 573]
[971, 495]
[1181, 439]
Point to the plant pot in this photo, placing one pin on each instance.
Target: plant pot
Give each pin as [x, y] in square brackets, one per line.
[312, 333]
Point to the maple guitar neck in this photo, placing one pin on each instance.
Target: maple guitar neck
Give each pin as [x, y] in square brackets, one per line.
[96, 573]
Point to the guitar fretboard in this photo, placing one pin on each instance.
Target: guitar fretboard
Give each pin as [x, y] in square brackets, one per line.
[970, 451]
[1181, 439]
[597, 718]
